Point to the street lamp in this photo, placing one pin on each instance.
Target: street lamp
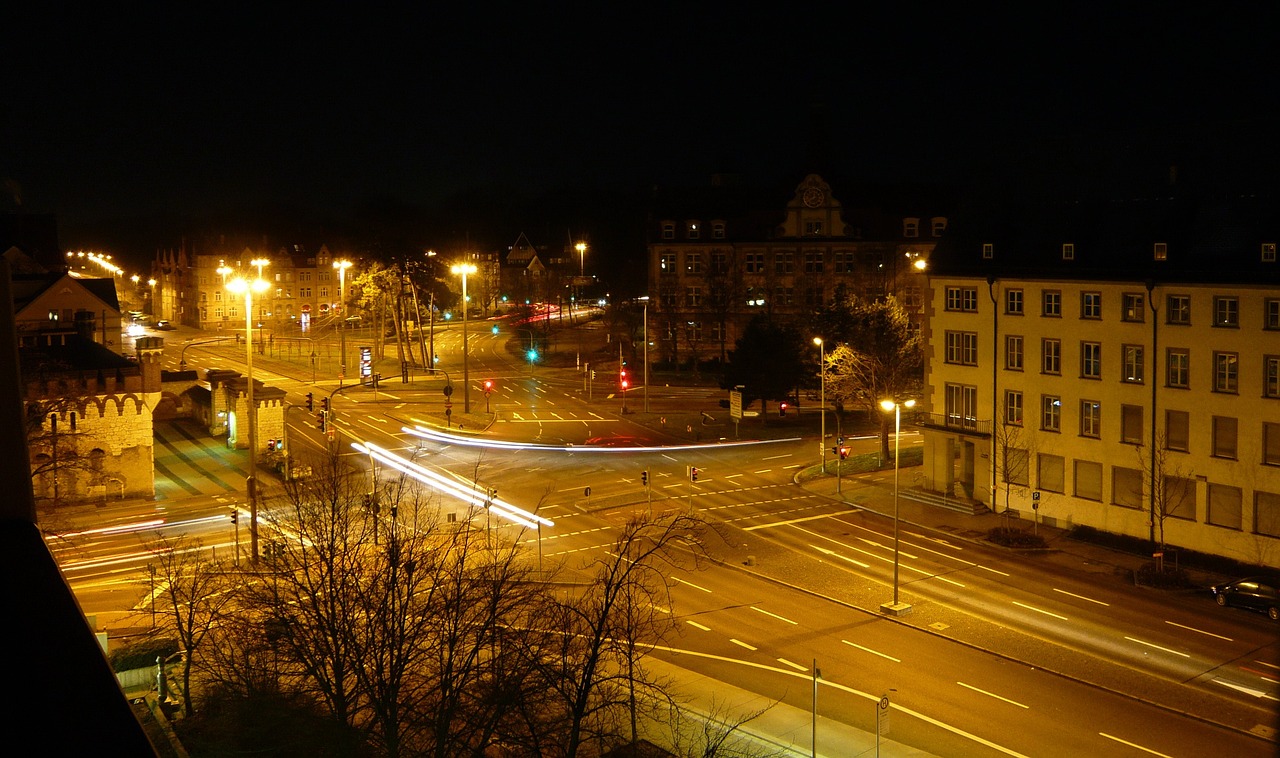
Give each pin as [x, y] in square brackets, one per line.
[152, 307]
[464, 269]
[822, 374]
[240, 285]
[342, 267]
[645, 300]
[896, 608]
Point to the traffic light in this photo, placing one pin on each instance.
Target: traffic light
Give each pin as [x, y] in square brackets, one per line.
[320, 420]
[311, 401]
[622, 378]
[644, 478]
[782, 409]
[844, 452]
[324, 404]
[235, 515]
[693, 473]
[532, 355]
[488, 386]
[271, 446]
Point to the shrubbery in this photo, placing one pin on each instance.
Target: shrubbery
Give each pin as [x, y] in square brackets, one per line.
[1008, 536]
[142, 654]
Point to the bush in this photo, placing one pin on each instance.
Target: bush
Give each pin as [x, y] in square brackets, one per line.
[142, 654]
[1008, 536]
[1169, 579]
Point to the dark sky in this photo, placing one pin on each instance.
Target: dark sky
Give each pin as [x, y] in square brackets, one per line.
[109, 111]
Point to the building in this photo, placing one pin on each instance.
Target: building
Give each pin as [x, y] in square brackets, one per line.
[720, 255]
[1114, 365]
[304, 293]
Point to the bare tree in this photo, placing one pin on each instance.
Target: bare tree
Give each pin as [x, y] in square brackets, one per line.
[1168, 487]
[1013, 451]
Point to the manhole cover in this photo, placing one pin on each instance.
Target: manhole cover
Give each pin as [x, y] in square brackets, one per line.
[939, 626]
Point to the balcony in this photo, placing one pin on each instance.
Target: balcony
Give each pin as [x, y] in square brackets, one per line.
[954, 423]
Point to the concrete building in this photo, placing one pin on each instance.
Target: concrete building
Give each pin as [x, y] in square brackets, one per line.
[1112, 365]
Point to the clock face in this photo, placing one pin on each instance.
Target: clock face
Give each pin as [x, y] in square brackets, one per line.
[813, 197]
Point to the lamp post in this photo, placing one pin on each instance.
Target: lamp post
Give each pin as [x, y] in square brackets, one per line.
[464, 269]
[645, 300]
[342, 267]
[151, 307]
[822, 375]
[240, 285]
[896, 608]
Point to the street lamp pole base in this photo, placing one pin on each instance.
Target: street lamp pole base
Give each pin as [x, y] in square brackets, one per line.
[895, 609]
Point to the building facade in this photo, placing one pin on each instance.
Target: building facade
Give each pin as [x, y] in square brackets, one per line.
[719, 257]
[1115, 366]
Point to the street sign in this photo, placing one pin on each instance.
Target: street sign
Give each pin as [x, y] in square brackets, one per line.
[735, 405]
[882, 716]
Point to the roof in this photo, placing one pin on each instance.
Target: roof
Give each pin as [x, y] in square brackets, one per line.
[28, 287]
[1210, 240]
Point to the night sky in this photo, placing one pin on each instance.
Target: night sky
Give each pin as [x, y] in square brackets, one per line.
[111, 113]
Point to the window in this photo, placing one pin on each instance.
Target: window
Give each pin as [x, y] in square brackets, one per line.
[1177, 497]
[1017, 469]
[717, 230]
[1132, 370]
[988, 250]
[910, 227]
[1091, 360]
[1177, 430]
[304, 292]
[753, 263]
[1271, 443]
[1051, 356]
[1224, 506]
[719, 262]
[324, 292]
[783, 296]
[962, 348]
[692, 230]
[1268, 252]
[693, 297]
[1013, 352]
[1224, 437]
[1271, 313]
[1090, 418]
[1013, 407]
[1088, 480]
[812, 228]
[1266, 513]
[938, 225]
[962, 299]
[1161, 251]
[693, 263]
[667, 263]
[1126, 487]
[1068, 251]
[1131, 424]
[1271, 376]
[813, 296]
[962, 406]
[844, 262]
[1131, 306]
[784, 262]
[668, 230]
[1051, 472]
[1178, 368]
[1051, 303]
[1050, 413]
[1226, 369]
[813, 262]
[1091, 305]
[1226, 312]
[1013, 302]
[1178, 309]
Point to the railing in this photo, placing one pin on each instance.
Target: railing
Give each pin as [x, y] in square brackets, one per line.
[953, 422]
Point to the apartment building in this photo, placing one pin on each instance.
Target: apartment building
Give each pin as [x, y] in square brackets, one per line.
[1112, 365]
[304, 289]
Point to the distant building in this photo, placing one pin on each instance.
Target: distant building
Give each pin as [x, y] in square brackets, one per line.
[1112, 365]
[720, 255]
[304, 292]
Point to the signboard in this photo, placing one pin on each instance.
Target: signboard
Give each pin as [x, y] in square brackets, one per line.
[735, 405]
[882, 716]
[366, 361]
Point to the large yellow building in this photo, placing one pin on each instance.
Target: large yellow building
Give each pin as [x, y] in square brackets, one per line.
[1115, 366]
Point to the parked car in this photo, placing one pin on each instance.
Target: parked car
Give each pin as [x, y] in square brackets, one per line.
[163, 325]
[1257, 593]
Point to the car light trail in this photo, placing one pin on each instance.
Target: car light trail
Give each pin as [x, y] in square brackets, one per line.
[450, 439]
[470, 495]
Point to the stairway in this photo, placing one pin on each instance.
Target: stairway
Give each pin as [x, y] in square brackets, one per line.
[941, 500]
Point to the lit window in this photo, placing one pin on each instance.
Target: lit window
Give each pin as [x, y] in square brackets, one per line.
[1133, 365]
[1226, 311]
[1178, 309]
[1161, 251]
[1050, 413]
[1131, 309]
[1179, 368]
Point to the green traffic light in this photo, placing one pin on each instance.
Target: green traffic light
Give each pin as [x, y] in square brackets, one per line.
[533, 355]
[494, 330]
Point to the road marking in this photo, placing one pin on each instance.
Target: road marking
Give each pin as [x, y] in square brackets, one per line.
[1157, 647]
[1081, 597]
[732, 476]
[775, 457]
[695, 624]
[740, 643]
[873, 652]
[379, 419]
[1001, 573]
[1193, 629]
[786, 523]
[1039, 610]
[762, 471]
[1133, 745]
[992, 694]
[691, 584]
[388, 394]
[780, 618]
[1241, 688]
[834, 554]
[795, 666]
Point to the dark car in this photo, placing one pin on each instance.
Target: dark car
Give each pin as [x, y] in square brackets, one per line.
[1257, 593]
[163, 325]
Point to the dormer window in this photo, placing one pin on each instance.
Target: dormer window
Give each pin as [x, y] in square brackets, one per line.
[939, 225]
[910, 227]
[693, 230]
[813, 228]
[668, 230]
[1268, 252]
[1161, 251]
[988, 251]
[717, 230]
[1068, 251]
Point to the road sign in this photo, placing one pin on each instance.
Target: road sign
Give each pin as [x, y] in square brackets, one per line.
[735, 405]
[882, 716]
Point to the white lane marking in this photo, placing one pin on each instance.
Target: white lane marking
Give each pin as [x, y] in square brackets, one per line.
[780, 618]
[762, 471]
[992, 694]
[786, 523]
[1081, 597]
[775, 457]
[740, 643]
[1039, 610]
[1268, 665]
[994, 571]
[834, 554]
[1241, 688]
[795, 666]
[732, 476]
[379, 419]
[873, 652]
[1193, 629]
[1157, 647]
[696, 625]
[691, 584]
[1133, 745]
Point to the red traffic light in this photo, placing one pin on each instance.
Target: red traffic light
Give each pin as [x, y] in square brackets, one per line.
[488, 385]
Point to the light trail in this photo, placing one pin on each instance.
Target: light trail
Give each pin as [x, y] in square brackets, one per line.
[450, 439]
